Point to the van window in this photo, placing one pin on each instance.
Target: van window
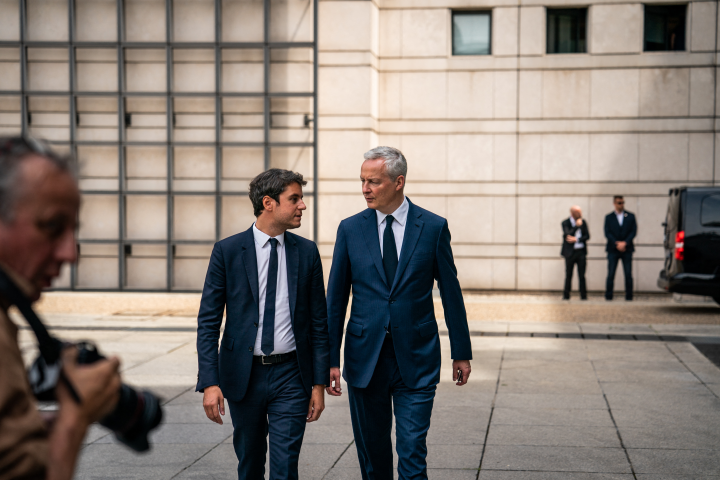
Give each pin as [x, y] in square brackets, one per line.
[710, 211]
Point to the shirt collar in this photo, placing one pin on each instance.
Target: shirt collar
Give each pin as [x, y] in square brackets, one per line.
[572, 221]
[400, 215]
[262, 238]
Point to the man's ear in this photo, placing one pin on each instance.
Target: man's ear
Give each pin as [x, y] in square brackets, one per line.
[399, 182]
[268, 203]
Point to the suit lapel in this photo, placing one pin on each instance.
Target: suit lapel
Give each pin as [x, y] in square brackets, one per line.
[292, 258]
[413, 227]
[250, 260]
[370, 232]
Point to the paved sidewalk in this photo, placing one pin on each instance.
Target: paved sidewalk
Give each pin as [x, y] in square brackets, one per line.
[606, 406]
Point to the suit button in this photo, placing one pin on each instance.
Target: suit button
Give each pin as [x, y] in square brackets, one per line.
[255, 323]
[392, 300]
[249, 349]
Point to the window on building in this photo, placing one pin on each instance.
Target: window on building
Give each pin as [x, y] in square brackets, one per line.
[471, 33]
[665, 27]
[566, 30]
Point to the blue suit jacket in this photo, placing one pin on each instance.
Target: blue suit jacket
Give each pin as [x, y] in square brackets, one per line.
[615, 233]
[406, 305]
[232, 282]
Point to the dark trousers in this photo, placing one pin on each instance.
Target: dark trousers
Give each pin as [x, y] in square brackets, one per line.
[276, 403]
[613, 258]
[578, 257]
[371, 410]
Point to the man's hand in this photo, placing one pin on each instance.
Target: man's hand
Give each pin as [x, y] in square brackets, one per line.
[464, 366]
[317, 403]
[570, 239]
[334, 388]
[579, 222]
[621, 246]
[97, 385]
[214, 403]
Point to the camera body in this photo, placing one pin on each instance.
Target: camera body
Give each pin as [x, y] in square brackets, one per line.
[137, 411]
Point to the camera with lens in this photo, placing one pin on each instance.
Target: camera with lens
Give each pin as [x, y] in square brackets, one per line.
[137, 411]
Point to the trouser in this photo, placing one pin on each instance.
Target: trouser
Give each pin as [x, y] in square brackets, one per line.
[578, 257]
[275, 405]
[613, 258]
[371, 410]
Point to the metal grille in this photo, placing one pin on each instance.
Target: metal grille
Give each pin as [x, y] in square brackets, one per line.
[169, 149]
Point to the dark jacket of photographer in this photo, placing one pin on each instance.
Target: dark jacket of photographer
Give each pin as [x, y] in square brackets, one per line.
[23, 435]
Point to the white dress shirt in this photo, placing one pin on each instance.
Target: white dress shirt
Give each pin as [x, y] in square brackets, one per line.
[578, 234]
[620, 216]
[284, 337]
[398, 225]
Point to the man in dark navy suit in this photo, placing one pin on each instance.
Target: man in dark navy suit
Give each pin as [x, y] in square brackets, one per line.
[620, 231]
[273, 362]
[574, 248]
[390, 256]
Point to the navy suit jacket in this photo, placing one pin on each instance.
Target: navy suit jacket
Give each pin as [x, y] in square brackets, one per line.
[615, 233]
[406, 305]
[232, 282]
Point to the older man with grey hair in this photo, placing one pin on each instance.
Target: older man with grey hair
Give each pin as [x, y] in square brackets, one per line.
[390, 256]
[39, 201]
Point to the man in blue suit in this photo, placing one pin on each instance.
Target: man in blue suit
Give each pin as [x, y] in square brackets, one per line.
[620, 231]
[273, 361]
[390, 256]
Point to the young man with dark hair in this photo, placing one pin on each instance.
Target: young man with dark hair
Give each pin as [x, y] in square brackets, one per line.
[620, 231]
[273, 361]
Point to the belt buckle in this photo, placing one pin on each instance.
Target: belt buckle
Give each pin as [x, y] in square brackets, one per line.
[262, 359]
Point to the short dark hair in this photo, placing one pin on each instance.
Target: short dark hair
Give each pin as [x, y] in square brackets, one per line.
[271, 184]
[616, 197]
[15, 150]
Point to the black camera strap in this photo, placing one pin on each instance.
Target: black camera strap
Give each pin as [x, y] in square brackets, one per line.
[49, 346]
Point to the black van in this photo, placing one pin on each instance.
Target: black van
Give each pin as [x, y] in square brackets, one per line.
[692, 242]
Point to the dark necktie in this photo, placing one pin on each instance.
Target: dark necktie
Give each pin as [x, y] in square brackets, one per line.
[268, 330]
[390, 256]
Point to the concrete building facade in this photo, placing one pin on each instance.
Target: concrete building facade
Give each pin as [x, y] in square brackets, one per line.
[173, 106]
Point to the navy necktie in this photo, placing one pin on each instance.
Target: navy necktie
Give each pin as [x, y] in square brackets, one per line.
[268, 330]
[390, 256]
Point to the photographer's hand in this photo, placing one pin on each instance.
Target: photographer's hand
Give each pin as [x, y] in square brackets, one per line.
[98, 386]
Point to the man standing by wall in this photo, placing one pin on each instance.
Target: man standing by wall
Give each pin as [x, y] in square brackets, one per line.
[574, 249]
[620, 231]
[390, 256]
[273, 361]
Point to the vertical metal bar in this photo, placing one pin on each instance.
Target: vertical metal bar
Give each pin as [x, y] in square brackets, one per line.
[122, 263]
[218, 118]
[73, 106]
[169, 139]
[266, 84]
[316, 197]
[23, 70]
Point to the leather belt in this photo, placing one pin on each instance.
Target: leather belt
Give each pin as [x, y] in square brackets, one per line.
[275, 359]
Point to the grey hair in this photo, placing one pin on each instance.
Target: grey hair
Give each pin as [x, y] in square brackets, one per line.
[15, 150]
[271, 184]
[395, 162]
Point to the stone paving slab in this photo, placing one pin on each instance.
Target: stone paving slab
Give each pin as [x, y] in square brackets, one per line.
[536, 408]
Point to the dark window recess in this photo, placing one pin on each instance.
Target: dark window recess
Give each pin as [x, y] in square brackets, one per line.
[710, 211]
[566, 30]
[471, 33]
[665, 27]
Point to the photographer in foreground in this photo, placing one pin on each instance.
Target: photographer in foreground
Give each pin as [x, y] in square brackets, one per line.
[39, 201]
